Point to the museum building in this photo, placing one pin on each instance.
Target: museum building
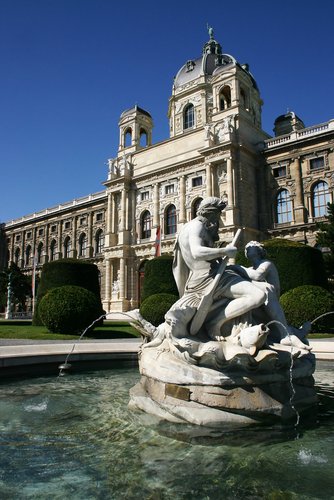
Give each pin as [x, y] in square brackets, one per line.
[273, 186]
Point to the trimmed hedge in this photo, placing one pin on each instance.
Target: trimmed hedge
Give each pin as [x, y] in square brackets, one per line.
[154, 308]
[63, 272]
[69, 309]
[306, 303]
[159, 277]
[297, 264]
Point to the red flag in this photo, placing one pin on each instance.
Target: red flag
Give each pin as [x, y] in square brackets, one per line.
[157, 242]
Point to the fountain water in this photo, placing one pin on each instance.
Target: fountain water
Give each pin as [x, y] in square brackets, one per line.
[66, 365]
[76, 438]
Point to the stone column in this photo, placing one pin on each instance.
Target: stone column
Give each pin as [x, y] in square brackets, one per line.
[113, 213]
[231, 210]
[133, 227]
[208, 180]
[230, 183]
[122, 279]
[123, 210]
[47, 245]
[89, 235]
[127, 209]
[300, 212]
[59, 240]
[75, 247]
[22, 263]
[156, 217]
[183, 217]
[109, 212]
[107, 292]
[34, 246]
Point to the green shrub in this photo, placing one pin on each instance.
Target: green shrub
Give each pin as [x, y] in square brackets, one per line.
[297, 264]
[65, 272]
[154, 308]
[69, 309]
[159, 277]
[306, 303]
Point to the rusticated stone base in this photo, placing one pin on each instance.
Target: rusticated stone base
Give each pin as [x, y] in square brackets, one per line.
[211, 405]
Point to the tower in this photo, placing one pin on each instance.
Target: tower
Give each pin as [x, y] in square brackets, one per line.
[135, 130]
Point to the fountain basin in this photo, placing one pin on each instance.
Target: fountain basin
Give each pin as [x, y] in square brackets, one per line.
[75, 437]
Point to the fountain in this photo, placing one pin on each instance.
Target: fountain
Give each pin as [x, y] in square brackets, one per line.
[225, 353]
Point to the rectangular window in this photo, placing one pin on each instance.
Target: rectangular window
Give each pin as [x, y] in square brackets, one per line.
[82, 221]
[317, 163]
[197, 181]
[17, 237]
[99, 216]
[67, 225]
[53, 228]
[145, 195]
[40, 232]
[169, 189]
[279, 171]
[28, 235]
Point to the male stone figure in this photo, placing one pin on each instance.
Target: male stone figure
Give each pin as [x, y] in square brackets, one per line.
[198, 274]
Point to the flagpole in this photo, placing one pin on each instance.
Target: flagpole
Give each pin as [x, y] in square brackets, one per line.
[33, 284]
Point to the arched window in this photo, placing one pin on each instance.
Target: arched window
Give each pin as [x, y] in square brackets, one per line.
[82, 245]
[320, 198]
[195, 207]
[143, 138]
[17, 256]
[99, 241]
[127, 137]
[145, 225]
[39, 253]
[188, 116]
[170, 220]
[67, 247]
[28, 255]
[225, 98]
[283, 207]
[53, 245]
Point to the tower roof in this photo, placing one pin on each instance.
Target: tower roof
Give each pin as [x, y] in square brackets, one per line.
[210, 62]
[135, 109]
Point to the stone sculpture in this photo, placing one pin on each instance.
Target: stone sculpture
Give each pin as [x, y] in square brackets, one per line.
[215, 358]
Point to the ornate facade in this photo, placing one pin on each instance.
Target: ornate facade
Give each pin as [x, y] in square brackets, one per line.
[274, 187]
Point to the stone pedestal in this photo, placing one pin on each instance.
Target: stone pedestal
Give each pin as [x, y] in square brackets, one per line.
[213, 405]
[274, 384]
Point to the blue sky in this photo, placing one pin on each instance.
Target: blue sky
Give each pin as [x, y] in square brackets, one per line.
[70, 67]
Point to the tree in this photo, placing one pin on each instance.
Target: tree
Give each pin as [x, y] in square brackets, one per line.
[20, 285]
[325, 239]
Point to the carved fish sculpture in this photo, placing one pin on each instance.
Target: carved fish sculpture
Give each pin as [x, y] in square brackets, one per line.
[253, 337]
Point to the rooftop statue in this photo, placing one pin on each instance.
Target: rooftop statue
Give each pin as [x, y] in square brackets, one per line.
[227, 325]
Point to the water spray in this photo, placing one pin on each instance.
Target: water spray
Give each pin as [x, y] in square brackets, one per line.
[67, 366]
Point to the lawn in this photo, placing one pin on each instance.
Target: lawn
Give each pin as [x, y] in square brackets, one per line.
[25, 330]
[16, 329]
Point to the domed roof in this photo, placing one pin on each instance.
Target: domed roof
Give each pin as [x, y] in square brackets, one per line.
[284, 124]
[135, 109]
[211, 62]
